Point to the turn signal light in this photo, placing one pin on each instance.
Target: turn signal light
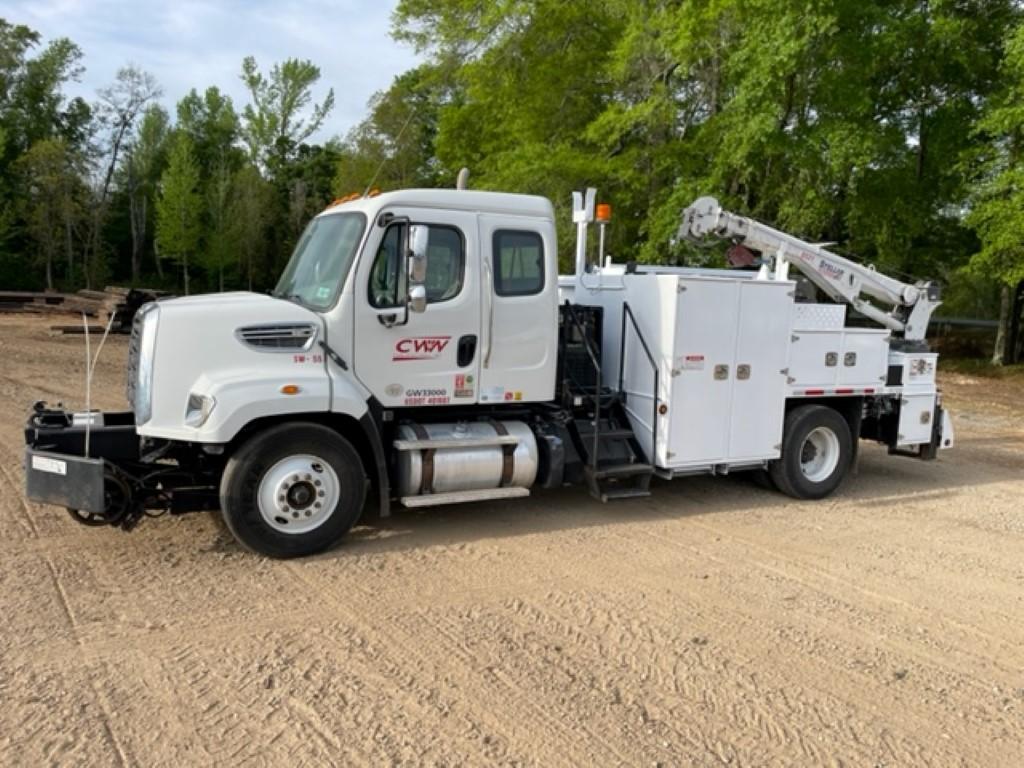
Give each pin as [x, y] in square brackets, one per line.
[290, 389]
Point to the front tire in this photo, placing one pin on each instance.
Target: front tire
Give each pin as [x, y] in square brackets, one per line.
[817, 450]
[292, 490]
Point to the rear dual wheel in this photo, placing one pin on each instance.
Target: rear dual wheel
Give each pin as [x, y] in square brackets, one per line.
[292, 490]
[817, 450]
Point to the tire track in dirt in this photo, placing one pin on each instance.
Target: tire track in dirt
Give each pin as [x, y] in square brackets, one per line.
[524, 711]
[106, 719]
[820, 652]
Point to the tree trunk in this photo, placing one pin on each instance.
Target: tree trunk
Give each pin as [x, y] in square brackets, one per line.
[999, 353]
[184, 263]
[69, 250]
[156, 249]
[133, 218]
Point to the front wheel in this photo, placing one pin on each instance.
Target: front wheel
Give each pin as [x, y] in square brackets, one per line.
[817, 451]
[292, 490]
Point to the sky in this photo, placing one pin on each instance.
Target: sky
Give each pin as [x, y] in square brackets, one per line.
[189, 44]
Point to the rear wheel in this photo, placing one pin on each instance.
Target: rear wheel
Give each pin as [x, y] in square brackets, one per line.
[816, 453]
[292, 490]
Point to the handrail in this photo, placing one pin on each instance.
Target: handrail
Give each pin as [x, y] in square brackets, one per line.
[597, 392]
[626, 311]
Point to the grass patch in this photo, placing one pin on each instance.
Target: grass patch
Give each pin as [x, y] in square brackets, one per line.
[973, 366]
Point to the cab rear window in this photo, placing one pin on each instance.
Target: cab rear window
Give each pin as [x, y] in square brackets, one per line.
[518, 262]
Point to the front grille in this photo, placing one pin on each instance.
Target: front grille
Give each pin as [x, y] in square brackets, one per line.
[133, 359]
[284, 337]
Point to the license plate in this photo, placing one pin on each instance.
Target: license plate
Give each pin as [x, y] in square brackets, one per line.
[46, 464]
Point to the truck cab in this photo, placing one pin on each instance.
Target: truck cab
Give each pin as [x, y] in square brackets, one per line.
[350, 325]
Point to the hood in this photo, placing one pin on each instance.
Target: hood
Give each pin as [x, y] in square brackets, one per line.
[214, 344]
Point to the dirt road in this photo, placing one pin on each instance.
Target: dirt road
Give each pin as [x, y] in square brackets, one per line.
[714, 623]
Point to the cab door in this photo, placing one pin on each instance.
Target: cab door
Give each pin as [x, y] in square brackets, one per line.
[520, 309]
[429, 358]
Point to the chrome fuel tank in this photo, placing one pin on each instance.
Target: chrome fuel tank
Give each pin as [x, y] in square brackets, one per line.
[478, 455]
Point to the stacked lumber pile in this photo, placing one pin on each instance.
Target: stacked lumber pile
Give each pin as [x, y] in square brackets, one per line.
[113, 301]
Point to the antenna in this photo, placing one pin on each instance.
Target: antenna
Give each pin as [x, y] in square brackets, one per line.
[380, 167]
[462, 182]
[90, 367]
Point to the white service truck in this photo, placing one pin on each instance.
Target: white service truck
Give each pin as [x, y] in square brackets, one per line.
[420, 348]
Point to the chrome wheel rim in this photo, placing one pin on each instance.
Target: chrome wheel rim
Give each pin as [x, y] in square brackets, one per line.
[819, 454]
[298, 494]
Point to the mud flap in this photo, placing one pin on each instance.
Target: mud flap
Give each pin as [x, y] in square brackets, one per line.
[63, 480]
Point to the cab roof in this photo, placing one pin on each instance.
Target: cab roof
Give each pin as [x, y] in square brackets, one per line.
[451, 199]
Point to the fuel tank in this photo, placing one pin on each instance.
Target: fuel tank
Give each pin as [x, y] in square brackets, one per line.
[482, 455]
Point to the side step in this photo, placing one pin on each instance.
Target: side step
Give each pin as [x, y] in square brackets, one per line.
[460, 497]
[619, 481]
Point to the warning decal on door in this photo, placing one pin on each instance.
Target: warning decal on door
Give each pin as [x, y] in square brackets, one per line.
[693, 362]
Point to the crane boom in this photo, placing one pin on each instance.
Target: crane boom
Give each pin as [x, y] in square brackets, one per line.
[909, 306]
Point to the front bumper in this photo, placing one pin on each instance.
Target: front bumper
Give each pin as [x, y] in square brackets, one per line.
[58, 470]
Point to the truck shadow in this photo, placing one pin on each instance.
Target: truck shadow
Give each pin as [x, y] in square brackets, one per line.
[881, 482]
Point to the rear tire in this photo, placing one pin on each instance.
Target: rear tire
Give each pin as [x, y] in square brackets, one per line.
[817, 450]
[292, 490]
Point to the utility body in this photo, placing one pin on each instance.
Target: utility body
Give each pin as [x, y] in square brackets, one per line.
[421, 349]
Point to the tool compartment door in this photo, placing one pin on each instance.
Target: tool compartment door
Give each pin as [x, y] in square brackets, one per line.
[759, 393]
[703, 366]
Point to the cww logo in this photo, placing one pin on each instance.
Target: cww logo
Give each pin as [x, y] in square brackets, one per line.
[420, 347]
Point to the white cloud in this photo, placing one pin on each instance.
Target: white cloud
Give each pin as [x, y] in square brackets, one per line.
[189, 44]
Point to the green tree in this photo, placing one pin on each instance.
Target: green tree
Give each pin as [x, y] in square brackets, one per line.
[393, 148]
[282, 113]
[33, 108]
[51, 204]
[179, 207]
[144, 161]
[219, 247]
[119, 108]
[248, 220]
[997, 210]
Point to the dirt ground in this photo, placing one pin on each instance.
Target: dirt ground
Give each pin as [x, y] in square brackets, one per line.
[713, 623]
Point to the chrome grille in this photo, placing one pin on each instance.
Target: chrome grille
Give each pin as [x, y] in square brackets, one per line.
[133, 359]
[278, 337]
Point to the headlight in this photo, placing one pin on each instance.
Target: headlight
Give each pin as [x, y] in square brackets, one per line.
[143, 401]
[198, 409]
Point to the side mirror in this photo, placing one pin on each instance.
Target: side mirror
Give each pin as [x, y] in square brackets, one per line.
[419, 235]
[418, 298]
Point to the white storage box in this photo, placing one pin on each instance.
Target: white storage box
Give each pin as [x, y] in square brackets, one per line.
[721, 344]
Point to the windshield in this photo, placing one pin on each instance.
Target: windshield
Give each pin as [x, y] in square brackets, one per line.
[321, 260]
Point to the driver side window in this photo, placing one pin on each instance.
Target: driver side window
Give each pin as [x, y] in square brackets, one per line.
[446, 266]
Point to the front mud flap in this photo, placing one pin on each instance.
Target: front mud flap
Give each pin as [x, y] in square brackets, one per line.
[63, 480]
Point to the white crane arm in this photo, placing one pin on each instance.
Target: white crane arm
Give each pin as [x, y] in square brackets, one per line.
[841, 279]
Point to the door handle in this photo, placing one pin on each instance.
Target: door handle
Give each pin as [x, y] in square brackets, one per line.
[489, 294]
[466, 350]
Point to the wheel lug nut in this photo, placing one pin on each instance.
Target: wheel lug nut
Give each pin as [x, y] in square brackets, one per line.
[321, 493]
[317, 483]
[295, 514]
[317, 505]
[308, 512]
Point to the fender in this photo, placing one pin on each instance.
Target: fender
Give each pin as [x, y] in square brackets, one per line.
[371, 431]
[242, 397]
